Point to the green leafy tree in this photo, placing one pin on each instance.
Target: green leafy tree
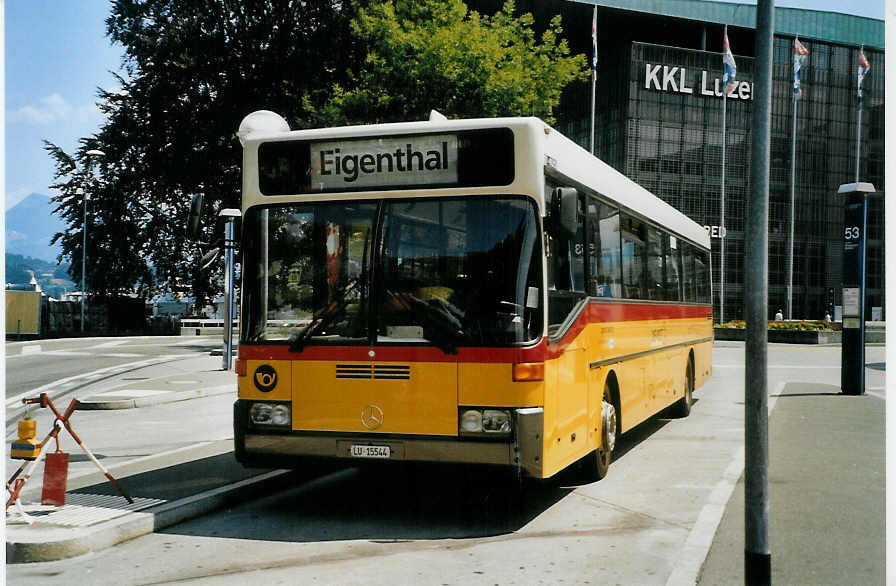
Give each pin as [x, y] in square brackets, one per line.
[114, 262]
[192, 70]
[437, 54]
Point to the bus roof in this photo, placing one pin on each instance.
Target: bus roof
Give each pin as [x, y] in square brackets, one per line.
[537, 141]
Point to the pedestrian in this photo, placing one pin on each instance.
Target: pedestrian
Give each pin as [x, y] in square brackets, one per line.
[779, 316]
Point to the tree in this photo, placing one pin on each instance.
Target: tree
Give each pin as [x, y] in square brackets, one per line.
[193, 69]
[437, 54]
[114, 261]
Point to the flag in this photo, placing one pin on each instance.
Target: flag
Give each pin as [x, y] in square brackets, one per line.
[594, 39]
[730, 68]
[864, 68]
[799, 55]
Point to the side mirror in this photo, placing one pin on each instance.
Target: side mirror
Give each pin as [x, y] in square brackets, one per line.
[193, 232]
[566, 207]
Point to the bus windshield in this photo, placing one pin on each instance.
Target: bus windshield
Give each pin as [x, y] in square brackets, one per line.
[447, 272]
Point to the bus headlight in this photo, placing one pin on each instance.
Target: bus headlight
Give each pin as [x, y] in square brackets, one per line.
[490, 422]
[471, 421]
[274, 414]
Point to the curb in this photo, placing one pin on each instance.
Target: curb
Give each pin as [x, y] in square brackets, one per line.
[97, 402]
[115, 531]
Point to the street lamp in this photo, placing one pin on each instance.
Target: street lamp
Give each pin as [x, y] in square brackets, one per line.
[90, 153]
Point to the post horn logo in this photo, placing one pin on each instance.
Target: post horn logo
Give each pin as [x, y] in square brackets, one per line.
[265, 378]
[372, 417]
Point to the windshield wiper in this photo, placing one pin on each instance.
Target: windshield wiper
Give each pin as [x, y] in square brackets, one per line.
[322, 319]
[440, 321]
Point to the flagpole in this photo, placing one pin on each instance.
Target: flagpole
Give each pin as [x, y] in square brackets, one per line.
[858, 138]
[722, 212]
[593, 70]
[593, 89]
[792, 207]
[864, 66]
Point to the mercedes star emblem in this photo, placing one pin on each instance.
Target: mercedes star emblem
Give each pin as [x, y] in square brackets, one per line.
[371, 417]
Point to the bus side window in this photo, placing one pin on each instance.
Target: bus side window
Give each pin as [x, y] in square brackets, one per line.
[567, 259]
[701, 264]
[566, 269]
[634, 250]
[604, 250]
[656, 281]
[673, 268]
[688, 277]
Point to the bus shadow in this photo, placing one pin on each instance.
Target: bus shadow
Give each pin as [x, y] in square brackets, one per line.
[387, 503]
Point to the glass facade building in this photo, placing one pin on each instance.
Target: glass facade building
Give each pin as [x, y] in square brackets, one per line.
[659, 120]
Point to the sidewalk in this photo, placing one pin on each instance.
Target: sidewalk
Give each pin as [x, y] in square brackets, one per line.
[827, 481]
[96, 516]
[166, 488]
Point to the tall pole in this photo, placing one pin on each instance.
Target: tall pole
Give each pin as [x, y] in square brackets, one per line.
[83, 260]
[722, 213]
[90, 154]
[593, 89]
[858, 139]
[792, 214]
[593, 70]
[229, 245]
[757, 554]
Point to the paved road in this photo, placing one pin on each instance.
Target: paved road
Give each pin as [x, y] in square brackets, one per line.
[649, 522]
[67, 367]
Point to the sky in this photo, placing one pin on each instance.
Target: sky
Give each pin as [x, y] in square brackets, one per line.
[57, 55]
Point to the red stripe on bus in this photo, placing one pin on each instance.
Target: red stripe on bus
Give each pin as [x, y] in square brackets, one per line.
[596, 312]
[603, 312]
[392, 353]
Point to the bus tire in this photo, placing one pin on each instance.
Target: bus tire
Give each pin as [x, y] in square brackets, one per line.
[596, 464]
[682, 408]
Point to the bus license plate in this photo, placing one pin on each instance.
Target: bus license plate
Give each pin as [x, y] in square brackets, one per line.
[371, 452]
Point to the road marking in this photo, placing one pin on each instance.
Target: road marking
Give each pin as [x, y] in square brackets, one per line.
[112, 343]
[88, 376]
[130, 393]
[32, 349]
[699, 540]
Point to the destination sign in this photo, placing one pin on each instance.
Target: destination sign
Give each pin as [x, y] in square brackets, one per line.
[417, 160]
[469, 158]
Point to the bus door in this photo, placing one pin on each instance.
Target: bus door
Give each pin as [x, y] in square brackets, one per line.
[568, 314]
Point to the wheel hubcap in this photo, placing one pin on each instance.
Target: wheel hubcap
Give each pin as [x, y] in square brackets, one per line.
[608, 421]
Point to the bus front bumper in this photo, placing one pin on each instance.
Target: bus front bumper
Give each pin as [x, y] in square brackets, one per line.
[287, 449]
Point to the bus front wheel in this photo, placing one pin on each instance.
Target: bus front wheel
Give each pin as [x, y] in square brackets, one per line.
[609, 431]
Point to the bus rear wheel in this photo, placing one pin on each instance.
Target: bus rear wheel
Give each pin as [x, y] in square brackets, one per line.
[683, 407]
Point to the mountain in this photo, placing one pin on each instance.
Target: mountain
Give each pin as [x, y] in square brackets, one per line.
[30, 225]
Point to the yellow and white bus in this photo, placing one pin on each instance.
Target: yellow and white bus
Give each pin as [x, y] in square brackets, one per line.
[467, 291]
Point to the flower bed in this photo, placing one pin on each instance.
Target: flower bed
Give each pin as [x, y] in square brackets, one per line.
[787, 332]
